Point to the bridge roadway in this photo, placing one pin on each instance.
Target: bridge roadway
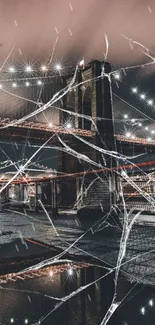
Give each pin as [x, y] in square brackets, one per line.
[15, 130]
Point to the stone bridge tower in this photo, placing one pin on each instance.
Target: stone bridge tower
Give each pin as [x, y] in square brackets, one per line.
[89, 97]
[90, 102]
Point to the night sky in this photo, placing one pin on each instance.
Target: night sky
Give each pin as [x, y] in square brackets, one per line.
[32, 26]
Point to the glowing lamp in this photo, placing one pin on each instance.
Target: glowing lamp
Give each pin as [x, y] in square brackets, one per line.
[68, 125]
[28, 68]
[134, 90]
[12, 69]
[39, 82]
[58, 67]
[151, 302]
[117, 76]
[51, 273]
[44, 68]
[70, 272]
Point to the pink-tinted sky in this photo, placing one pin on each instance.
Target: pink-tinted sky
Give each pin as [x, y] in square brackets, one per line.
[82, 24]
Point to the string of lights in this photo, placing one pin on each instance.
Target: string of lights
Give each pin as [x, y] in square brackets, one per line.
[134, 121]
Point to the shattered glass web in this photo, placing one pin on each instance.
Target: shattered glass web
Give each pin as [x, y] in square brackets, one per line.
[127, 223]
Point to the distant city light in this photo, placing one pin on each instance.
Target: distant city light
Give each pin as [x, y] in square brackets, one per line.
[27, 84]
[125, 116]
[28, 68]
[146, 128]
[44, 68]
[150, 102]
[39, 82]
[14, 85]
[58, 67]
[151, 302]
[142, 96]
[128, 134]
[140, 124]
[12, 320]
[117, 76]
[152, 131]
[143, 310]
[68, 125]
[134, 90]
[12, 69]
[70, 272]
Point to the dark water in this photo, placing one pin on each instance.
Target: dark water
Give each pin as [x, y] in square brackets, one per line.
[29, 301]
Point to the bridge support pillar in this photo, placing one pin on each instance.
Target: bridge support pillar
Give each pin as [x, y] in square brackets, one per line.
[54, 198]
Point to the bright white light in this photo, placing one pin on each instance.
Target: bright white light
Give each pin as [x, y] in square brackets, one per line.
[14, 85]
[81, 63]
[139, 124]
[28, 68]
[134, 90]
[12, 69]
[133, 137]
[68, 125]
[39, 82]
[133, 120]
[151, 302]
[26, 321]
[51, 273]
[128, 134]
[58, 67]
[1, 86]
[50, 125]
[44, 68]
[12, 320]
[150, 102]
[143, 310]
[146, 127]
[142, 96]
[117, 76]
[152, 131]
[125, 116]
[27, 84]
[70, 272]
[148, 139]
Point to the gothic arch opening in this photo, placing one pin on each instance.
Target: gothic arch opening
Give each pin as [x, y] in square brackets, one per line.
[71, 107]
[87, 110]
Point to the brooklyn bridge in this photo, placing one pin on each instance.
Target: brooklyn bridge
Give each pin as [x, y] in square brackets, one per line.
[83, 130]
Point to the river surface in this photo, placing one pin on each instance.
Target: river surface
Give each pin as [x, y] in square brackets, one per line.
[20, 304]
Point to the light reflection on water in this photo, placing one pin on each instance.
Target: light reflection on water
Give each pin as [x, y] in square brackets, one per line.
[89, 306]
